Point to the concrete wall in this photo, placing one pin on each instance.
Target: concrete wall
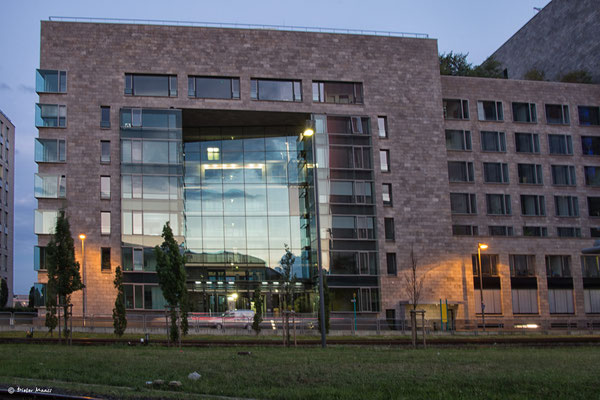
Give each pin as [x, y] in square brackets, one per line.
[561, 38]
[7, 163]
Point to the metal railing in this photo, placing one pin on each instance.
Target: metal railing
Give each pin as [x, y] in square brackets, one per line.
[291, 28]
[307, 324]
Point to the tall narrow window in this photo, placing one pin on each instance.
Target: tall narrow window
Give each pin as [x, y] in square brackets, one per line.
[382, 126]
[392, 268]
[104, 117]
[390, 233]
[104, 151]
[105, 187]
[384, 159]
[387, 194]
[105, 258]
[105, 223]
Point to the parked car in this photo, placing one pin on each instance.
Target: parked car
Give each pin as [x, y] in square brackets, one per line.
[235, 319]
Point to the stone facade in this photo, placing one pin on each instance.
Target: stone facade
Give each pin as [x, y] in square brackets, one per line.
[401, 81]
[561, 38]
[7, 162]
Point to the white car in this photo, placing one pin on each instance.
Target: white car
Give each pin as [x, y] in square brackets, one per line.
[235, 319]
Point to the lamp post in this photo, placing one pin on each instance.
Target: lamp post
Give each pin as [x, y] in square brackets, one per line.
[481, 246]
[309, 132]
[82, 237]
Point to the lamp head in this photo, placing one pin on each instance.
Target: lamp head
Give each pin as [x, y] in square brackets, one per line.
[308, 132]
[483, 246]
[82, 236]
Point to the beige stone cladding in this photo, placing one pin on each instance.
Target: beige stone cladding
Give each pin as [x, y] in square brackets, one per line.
[400, 81]
[539, 93]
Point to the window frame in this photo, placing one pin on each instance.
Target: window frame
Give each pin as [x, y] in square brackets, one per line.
[570, 175]
[497, 108]
[505, 202]
[105, 223]
[104, 122]
[471, 203]
[390, 201]
[504, 173]
[531, 112]
[384, 160]
[172, 84]
[382, 122]
[61, 120]
[463, 109]
[539, 205]
[319, 92]
[467, 143]
[567, 144]
[565, 117]
[193, 87]
[296, 84]
[533, 142]
[103, 260]
[389, 223]
[522, 172]
[391, 264]
[594, 117]
[500, 140]
[41, 79]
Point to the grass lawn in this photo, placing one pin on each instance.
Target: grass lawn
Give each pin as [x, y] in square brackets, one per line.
[308, 373]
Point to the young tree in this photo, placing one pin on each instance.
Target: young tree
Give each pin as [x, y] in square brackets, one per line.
[119, 314]
[413, 286]
[578, 76]
[3, 292]
[258, 310]
[51, 321]
[63, 270]
[289, 278]
[170, 269]
[490, 68]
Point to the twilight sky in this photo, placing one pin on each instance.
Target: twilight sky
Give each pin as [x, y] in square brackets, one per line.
[476, 27]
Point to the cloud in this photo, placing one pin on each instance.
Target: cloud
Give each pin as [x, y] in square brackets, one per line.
[27, 89]
[4, 86]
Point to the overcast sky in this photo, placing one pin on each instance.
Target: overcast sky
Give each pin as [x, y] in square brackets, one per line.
[477, 27]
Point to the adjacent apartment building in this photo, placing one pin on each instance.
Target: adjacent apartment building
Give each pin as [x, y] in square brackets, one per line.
[202, 127]
[7, 162]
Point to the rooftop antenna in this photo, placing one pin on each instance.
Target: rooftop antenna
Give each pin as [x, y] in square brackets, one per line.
[537, 9]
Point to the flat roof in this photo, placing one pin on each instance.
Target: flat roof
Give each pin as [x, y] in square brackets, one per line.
[239, 26]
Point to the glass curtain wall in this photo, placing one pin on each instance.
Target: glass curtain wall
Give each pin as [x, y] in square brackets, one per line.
[246, 196]
[151, 195]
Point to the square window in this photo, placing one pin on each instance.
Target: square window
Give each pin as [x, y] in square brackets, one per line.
[456, 109]
[533, 205]
[589, 115]
[460, 171]
[493, 141]
[594, 206]
[557, 114]
[463, 203]
[592, 176]
[524, 112]
[458, 140]
[560, 144]
[490, 111]
[495, 172]
[530, 174]
[563, 175]
[498, 204]
[527, 142]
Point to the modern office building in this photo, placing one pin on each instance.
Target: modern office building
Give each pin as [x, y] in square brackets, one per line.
[203, 128]
[7, 172]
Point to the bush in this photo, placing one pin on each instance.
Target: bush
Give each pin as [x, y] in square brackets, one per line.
[579, 76]
[534, 74]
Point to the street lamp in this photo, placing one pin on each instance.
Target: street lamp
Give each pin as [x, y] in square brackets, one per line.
[82, 237]
[309, 131]
[481, 246]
